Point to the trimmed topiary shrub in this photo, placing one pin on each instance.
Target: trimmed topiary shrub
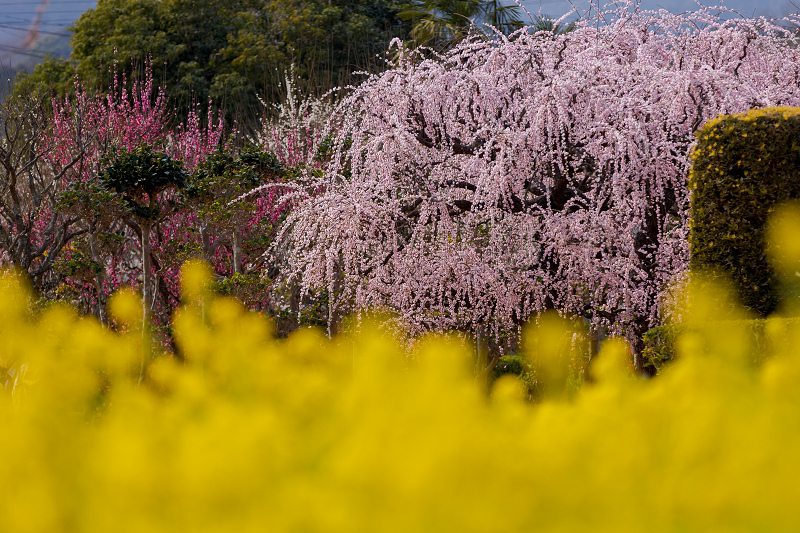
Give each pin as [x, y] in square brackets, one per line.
[743, 166]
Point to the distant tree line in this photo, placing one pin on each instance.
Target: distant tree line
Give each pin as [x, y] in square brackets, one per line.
[235, 52]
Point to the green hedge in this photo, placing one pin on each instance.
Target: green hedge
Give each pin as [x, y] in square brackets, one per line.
[743, 165]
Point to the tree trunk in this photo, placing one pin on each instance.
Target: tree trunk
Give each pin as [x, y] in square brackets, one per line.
[147, 290]
[486, 357]
[237, 251]
[99, 281]
[335, 311]
[294, 305]
[206, 237]
[638, 346]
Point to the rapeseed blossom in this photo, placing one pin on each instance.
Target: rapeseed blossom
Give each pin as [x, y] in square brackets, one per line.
[240, 432]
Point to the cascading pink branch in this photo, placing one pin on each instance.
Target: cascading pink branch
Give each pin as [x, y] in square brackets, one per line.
[537, 171]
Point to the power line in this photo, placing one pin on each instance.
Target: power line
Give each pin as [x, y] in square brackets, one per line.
[30, 22]
[70, 2]
[17, 28]
[48, 12]
[21, 51]
[19, 20]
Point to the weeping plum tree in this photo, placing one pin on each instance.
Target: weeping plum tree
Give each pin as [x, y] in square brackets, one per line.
[540, 170]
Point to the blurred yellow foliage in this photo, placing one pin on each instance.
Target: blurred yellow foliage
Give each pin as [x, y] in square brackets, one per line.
[782, 235]
[248, 433]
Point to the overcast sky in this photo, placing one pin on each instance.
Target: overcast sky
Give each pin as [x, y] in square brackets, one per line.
[19, 17]
[773, 8]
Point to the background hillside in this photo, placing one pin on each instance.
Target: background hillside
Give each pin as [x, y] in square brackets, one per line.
[32, 29]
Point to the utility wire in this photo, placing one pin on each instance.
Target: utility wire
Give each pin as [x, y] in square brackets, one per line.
[48, 12]
[21, 51]
[68, 2]
[18, 28]
[19, 20]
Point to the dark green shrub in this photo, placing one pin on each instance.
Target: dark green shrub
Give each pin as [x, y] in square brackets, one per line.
[743, 166]
[515, 365]
[659, 347]
[226, 175]
[510, 364]
[139, 175]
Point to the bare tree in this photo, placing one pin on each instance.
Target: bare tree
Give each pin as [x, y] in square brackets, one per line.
[32, 230]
